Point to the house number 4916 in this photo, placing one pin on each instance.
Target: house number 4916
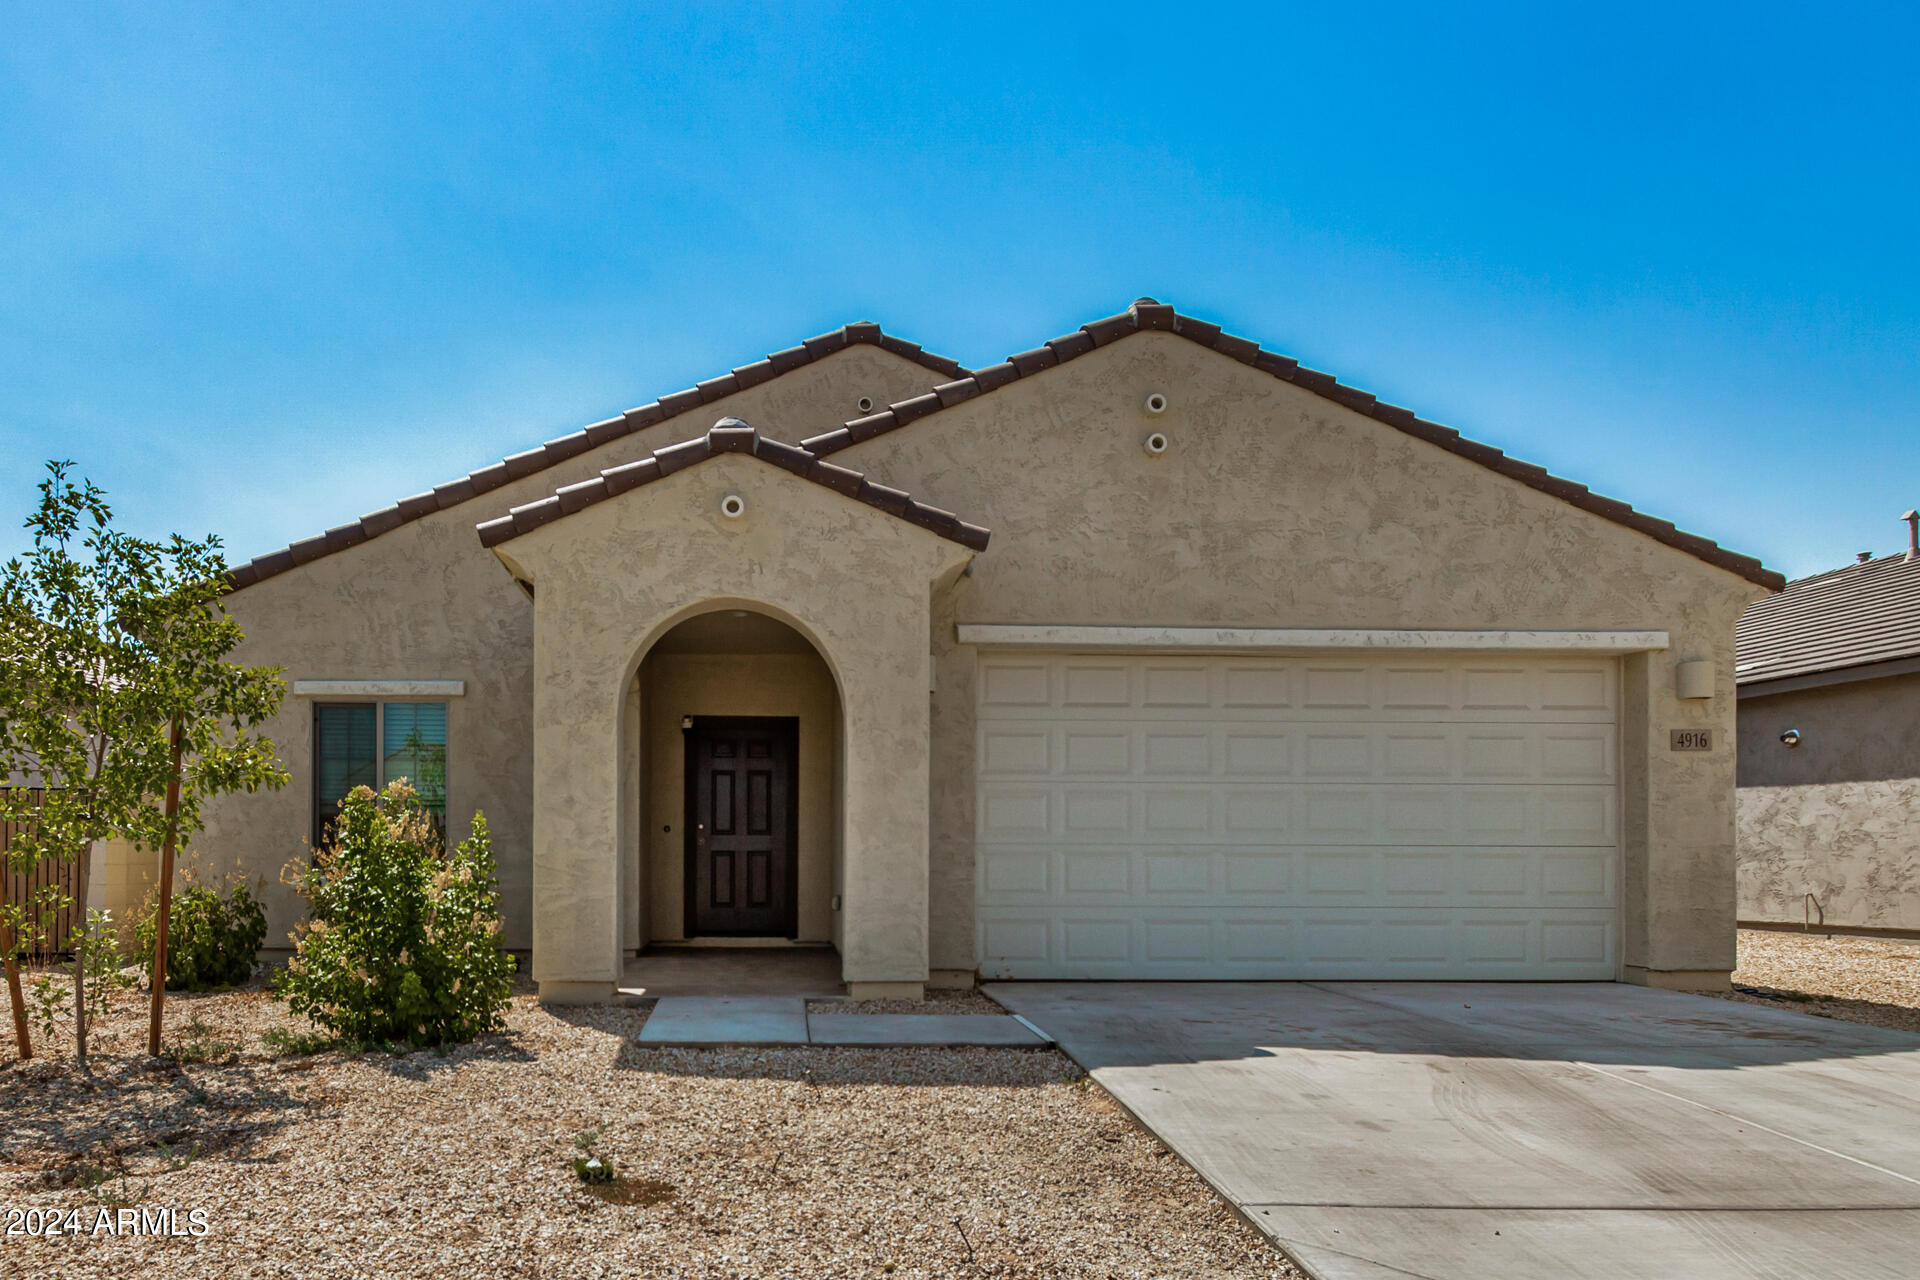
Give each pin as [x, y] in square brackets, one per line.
[1690, 740]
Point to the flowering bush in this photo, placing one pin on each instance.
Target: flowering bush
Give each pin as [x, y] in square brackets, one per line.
[211, 940]
[402, 940]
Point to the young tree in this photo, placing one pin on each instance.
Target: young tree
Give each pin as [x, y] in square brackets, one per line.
[116, 689]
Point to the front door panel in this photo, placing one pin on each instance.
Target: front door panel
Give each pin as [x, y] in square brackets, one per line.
[741, 862]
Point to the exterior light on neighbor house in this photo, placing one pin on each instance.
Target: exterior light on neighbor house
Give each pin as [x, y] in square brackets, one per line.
[1790, 738]
[1693, 679]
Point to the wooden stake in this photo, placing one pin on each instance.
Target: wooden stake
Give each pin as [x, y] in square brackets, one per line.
[13, 968]
[166, 902]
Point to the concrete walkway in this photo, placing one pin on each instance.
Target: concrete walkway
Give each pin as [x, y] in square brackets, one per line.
[713, 1021]
[1509, 1132]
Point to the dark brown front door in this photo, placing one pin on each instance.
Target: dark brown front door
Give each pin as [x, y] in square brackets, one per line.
[741, 820]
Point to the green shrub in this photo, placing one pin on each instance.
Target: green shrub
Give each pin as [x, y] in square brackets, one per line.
[402, 940]
[211, 940]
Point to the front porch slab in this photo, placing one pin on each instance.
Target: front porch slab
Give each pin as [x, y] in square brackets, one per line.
[702, 1021]
[705, 1022]
[769, 971]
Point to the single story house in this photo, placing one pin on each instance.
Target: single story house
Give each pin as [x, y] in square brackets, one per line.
[1146, 653]
[1829, 800]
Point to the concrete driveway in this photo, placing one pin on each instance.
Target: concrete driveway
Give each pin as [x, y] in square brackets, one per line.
[1467, 1131]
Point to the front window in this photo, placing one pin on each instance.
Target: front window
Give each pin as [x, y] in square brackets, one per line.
[370, 744]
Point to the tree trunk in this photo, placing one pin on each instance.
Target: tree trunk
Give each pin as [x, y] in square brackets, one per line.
[14, 997]
[79, 939]
[166, 902]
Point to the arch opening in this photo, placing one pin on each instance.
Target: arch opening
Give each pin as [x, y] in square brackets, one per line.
[731, 769]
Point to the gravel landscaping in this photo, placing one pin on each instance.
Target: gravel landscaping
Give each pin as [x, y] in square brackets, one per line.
[795, 1162]
[1870, 980]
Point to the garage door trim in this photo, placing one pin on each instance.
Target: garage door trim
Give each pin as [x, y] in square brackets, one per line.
[1304, 639]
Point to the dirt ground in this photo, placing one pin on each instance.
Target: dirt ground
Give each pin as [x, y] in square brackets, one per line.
[811, 1162]
[1870, 980]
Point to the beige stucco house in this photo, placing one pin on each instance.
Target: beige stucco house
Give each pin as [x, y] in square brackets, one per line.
[1829, 765]
[1146, 653]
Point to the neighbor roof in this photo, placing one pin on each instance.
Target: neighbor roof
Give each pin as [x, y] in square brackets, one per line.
[1858, 617]
[729, 435]
[1147, 314]
[555, 451]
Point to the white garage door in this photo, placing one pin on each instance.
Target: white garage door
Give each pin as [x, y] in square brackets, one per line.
[1249, 817]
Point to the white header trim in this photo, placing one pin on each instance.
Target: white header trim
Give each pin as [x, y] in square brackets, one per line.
[379, 688]
[1209, 638]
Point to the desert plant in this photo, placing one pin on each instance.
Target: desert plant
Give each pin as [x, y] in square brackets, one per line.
[402, 940]
[97, 958]
[117, 696]
[212, 939]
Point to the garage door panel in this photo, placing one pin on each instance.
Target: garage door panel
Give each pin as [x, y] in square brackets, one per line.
[1375, 817]
[1280, 876]
[1377, 814]
[1191, 748]
[1361, 690]
[1017, 875]
[1307, 945]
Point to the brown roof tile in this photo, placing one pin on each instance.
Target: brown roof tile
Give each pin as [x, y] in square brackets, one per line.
[1851, 617]
[1147, 314]
[729, 435]
[519, 465]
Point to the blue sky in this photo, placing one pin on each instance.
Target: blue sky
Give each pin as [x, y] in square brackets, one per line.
[264, 268]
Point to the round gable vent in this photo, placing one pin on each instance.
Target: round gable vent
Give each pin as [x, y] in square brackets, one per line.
[733, 506]
[1157, 402]
[1156, 443]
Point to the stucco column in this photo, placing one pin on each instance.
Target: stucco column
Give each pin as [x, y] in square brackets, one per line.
[885, 825]
[1678, 828]
[576, 794]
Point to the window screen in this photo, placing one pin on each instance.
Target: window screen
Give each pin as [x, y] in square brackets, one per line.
[343, 758]
[414, 747]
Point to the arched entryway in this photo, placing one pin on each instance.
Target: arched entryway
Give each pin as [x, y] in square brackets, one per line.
[713, 527]
[734, 777]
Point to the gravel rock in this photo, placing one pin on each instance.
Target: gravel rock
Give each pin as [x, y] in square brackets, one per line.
[1870, 980]
[788, 1162]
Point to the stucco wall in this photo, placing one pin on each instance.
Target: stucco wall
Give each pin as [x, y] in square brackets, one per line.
[426, 601]
[741, 684]
[853, 580]
[1274, 507]
[1838, 816]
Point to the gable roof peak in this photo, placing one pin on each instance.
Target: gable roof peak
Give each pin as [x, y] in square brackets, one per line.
[553, 452]
[728, 435]
[1148, 315]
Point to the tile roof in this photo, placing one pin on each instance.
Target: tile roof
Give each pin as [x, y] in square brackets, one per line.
[1147, 314]
[1862, 614]
[559, 450]
[729, 435]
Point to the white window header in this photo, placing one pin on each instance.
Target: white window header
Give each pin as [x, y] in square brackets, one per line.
[379, 688]
[1030, 636]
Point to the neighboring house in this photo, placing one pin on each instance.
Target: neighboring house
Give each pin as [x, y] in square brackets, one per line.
[1254, 677]
[1829, 805]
